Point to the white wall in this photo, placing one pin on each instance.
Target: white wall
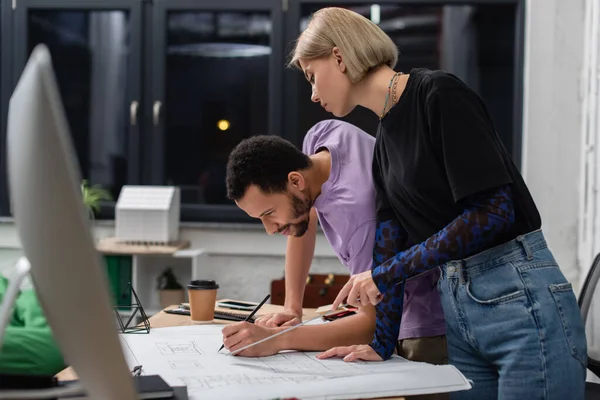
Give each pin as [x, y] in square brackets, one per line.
[552, 121]
[217, 239]
[244, 260]
[589, 227]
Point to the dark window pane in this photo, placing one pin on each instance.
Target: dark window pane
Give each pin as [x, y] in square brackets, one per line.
[3, 111]
[475, 42]
[90, 58]
[217, 74]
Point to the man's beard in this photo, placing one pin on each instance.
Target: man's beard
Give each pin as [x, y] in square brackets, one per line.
[300, 208]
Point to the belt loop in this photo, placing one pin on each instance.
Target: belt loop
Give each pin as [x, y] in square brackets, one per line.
[521, 239]
[461, 272]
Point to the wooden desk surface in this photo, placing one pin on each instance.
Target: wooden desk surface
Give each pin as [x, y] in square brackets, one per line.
[164, 320]
[112, 246]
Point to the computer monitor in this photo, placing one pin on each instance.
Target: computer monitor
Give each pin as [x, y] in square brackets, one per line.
[55, 232]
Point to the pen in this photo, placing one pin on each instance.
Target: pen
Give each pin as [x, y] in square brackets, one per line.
[251, 314]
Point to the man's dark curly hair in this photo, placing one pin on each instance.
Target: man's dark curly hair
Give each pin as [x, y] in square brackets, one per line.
[265, 161]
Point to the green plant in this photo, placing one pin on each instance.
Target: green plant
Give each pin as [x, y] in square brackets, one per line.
[93, 195]
[168, 281]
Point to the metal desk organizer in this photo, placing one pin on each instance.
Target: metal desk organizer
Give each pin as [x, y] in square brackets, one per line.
[135, 307]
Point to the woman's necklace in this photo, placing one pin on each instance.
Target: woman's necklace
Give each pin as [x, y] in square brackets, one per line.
[392, 90]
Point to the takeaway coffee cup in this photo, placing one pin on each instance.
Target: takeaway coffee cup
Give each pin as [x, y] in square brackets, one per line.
[203, 296]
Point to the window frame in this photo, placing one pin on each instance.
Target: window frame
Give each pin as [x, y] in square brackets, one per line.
[20, 54]
[146, 79]
[6, 88]
[153, 162]
[292, 30]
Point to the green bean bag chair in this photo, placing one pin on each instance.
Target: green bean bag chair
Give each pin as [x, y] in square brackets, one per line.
[29, 347]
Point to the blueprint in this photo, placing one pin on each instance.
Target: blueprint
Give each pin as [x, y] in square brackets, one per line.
[188, 356]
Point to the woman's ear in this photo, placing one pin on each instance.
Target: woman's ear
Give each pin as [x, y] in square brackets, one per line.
[339, 59]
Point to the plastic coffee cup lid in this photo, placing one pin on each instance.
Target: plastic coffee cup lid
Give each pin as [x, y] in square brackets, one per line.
[203, 285]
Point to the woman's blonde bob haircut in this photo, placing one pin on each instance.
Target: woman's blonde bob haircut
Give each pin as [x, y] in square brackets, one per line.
[363, 44]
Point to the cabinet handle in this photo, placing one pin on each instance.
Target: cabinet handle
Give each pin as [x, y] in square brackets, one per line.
[156, 112]
[329, 280]
[133, 109]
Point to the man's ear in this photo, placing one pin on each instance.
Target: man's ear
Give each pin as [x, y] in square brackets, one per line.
[296, 180]
[339, 59]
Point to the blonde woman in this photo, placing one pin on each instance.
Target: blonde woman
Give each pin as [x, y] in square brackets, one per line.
[449, 188]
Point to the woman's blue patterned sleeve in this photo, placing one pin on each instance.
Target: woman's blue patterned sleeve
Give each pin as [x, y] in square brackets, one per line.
[486, 220]
[388, 314]
[390, 239]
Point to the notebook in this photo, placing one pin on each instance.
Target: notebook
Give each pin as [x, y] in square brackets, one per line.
[22, 381]
[219, 314]
[148, 387]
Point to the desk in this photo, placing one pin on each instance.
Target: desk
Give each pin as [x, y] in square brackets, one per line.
[164, 320]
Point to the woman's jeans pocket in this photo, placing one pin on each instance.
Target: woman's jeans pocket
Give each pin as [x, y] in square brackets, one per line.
[570, 317]
[493, 287]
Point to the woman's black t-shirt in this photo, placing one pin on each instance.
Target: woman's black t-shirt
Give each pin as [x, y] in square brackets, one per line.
[437, 146]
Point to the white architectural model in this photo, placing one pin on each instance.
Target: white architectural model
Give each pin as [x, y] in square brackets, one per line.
[147, 214]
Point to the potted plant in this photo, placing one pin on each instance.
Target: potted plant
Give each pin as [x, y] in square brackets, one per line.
[92, 196]
[170, 291]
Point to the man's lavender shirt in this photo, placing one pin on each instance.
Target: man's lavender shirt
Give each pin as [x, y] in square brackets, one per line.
[346, 211]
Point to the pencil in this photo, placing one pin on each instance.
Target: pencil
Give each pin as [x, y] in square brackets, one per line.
[251, 314]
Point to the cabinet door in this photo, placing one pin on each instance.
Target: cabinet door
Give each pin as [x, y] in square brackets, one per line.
[95, 48]
[216, 79]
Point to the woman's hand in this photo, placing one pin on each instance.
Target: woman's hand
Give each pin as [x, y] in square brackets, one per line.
[352, 353]
[359, 290]
[285, 318]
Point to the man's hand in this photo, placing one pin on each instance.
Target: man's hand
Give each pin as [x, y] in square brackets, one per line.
[241, 334]
[285, 318]
[359, 290]
[352, 353]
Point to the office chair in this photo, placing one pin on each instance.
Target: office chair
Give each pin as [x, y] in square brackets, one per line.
[587, 298]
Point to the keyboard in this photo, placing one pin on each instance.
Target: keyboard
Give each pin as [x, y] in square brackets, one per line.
[219, 314]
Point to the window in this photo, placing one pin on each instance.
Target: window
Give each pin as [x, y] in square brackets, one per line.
[475, 42]
[96, 54]
[217, 72]
[213, 74]
[90, 57]
[216, 80]
[5, 85]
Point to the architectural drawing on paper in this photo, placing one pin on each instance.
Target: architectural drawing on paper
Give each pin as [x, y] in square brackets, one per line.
[195, 383]
[300, 363]
[186, 365]
[168, 348]
[187, 355]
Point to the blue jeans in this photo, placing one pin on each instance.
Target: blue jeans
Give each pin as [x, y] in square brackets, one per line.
[513, 324]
